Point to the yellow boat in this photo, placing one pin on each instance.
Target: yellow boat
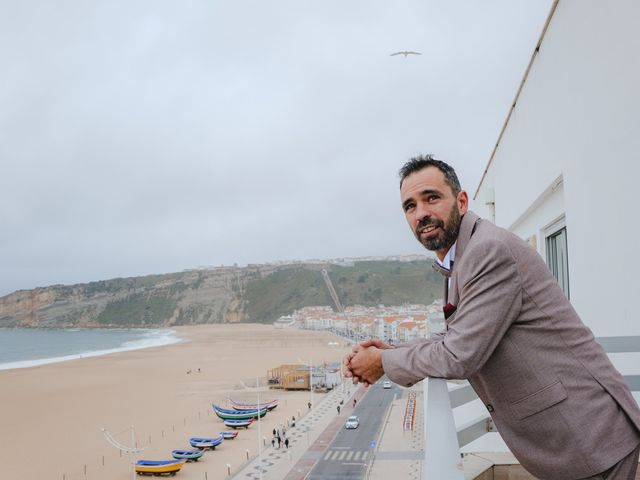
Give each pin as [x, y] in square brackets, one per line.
[159, 467]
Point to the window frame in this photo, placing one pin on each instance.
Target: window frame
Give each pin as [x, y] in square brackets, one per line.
[554, 258]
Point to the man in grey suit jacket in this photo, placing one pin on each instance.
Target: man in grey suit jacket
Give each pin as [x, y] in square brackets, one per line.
[560, 405]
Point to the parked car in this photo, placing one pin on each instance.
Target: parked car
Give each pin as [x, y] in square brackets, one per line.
[352, 422]
[386, 384]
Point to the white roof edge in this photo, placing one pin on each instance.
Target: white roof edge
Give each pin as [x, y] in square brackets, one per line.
[517, 96]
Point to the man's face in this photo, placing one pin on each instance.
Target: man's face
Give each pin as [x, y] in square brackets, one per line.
[432, 210]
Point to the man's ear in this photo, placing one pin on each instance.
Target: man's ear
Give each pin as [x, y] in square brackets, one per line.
[463, 202]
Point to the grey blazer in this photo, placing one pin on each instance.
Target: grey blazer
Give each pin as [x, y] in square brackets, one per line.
[560, 405]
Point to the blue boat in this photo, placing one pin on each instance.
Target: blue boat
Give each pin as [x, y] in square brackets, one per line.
[188, 455]
[238, 423]
[227, 414]
[203, 443]
[229, 435]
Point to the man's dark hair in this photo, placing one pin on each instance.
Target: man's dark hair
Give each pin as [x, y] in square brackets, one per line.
[423, 161]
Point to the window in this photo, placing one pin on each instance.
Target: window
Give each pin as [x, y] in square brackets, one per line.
[557, 258]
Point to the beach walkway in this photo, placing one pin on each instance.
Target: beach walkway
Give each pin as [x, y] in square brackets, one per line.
[312, 433]
[398, 451]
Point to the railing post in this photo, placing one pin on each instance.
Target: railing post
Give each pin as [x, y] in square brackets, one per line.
[441, 451]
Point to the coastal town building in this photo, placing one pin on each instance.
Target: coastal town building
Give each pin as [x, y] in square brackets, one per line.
[389, 323]
[322, 378]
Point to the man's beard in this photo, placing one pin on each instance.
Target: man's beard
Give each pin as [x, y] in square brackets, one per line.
[449, 233]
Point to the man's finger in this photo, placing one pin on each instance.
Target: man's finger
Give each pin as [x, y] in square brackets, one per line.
[374, 342]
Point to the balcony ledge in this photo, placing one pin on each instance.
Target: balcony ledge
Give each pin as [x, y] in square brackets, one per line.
[494, 466]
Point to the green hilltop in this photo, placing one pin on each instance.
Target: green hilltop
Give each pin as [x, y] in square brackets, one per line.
[255, 293]
[366, 283]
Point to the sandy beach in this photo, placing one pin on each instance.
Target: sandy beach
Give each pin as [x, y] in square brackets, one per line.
[52, 415]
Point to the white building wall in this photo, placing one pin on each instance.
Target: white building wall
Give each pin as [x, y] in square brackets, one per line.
[576, 122]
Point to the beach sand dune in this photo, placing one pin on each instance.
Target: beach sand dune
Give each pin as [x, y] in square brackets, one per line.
[52, 415]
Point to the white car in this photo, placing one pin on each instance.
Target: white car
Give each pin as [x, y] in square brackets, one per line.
[352, 422]
[386, 384]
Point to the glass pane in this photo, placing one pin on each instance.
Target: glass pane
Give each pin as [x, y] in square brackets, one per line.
[557, 258]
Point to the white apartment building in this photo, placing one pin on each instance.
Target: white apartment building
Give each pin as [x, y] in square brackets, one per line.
[566, 164]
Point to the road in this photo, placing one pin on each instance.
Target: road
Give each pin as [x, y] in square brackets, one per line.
[349, 454]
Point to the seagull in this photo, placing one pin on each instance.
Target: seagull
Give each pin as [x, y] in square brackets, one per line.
[405, 53]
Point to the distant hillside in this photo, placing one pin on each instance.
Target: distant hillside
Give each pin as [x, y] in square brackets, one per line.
[366, 283]
[257, 293]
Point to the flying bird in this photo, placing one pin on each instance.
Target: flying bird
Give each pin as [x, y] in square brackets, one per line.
[405, 53]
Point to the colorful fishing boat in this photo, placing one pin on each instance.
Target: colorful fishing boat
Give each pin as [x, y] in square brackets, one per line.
[188, 455]
[225, 413]
[239, 405]
[229, 435]
[238, 423]
[205, 442]
[159, 467]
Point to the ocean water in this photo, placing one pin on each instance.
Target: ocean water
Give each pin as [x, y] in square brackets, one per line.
[23, 348]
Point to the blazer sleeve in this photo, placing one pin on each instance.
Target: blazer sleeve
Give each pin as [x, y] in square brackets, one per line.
[490, 301]
[433, 337]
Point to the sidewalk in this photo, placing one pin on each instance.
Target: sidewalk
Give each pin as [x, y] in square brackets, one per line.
[312, 433]
[399, 453]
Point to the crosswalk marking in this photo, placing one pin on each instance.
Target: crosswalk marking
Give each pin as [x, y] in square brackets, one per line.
[345, 455]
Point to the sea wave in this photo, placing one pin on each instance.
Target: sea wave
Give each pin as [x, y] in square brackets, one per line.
[152, 338]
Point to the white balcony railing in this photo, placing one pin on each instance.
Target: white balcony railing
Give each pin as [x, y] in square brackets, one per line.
[443, 439]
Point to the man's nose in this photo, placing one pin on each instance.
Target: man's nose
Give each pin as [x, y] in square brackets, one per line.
[422, 212]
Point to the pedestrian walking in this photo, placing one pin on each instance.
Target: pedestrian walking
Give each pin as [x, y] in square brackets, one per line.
[273, 442]
[309, 405]
[286, 443]
[338, 407]
[354, 403]
[279, 440]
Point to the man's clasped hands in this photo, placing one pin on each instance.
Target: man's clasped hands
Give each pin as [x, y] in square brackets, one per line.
[363, 364]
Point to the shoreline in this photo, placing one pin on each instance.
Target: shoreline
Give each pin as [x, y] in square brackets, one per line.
[167, 339]
[65, 405]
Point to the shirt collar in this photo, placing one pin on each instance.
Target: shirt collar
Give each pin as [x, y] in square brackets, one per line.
[449, 257]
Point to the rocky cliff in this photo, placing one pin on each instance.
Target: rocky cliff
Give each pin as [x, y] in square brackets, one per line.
[219, 295]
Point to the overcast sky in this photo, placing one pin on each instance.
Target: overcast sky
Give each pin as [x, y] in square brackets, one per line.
[143, 137]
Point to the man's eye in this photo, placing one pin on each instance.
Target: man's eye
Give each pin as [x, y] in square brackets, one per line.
[408, 207]
[432, 198]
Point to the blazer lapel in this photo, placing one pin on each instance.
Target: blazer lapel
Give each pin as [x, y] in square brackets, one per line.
[467, 227]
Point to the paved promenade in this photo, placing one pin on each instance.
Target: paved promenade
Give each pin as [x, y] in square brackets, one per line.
[311, 435]
[397, 452]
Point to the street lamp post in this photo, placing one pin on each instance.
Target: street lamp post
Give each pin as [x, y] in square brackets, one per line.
[311, 384]
[259, 430]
